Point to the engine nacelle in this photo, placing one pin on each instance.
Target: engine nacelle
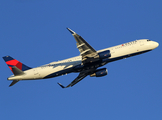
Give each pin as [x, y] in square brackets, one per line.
[100, 73]
[104, 54]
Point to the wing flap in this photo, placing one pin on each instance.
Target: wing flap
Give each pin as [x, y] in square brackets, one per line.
[82, 45]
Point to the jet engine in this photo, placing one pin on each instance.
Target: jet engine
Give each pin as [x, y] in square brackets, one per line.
[104, 54]
[99, 73]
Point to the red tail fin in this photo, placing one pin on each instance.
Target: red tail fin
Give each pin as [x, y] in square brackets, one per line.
[13, 62]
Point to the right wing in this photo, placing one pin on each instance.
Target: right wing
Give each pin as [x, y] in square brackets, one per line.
[87, 52]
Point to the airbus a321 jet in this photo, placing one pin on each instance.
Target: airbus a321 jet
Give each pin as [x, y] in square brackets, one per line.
[87, 63]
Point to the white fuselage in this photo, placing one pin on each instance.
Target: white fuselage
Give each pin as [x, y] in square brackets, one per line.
[64, 67]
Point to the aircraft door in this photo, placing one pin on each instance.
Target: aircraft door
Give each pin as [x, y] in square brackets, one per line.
[112, 51]
[36, 74]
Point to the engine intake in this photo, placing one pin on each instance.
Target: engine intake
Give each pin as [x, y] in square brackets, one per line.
[100, 73]
[104, 54]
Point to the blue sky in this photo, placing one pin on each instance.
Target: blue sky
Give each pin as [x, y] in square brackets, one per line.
[34, 32]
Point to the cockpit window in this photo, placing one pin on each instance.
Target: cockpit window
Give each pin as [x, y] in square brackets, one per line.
[148, 40]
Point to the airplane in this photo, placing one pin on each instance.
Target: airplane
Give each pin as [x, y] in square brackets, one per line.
[87, 63]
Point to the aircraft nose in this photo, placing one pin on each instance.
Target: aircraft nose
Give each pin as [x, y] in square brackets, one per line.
[155, 45]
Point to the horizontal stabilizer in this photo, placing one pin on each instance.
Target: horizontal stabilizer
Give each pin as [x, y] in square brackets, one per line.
[13, 82]
[17, 71]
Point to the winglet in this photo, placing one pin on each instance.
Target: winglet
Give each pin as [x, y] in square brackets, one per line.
[61, 85]
[72, 32]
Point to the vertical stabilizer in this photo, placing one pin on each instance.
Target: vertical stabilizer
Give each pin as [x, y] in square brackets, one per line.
[12, 63]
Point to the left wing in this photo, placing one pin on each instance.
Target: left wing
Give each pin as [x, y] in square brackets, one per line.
[81, 76]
